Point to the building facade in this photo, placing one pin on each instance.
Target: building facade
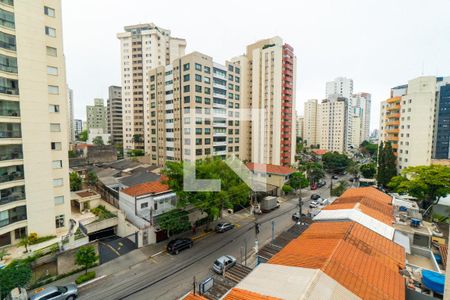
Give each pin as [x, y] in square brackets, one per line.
[340, 86]
[34, 174]
[78, 127]
[361, 105]
[300, 121]
[71, 126]
[114, 112]
[334, 123]
[311, 123]
[96, 115]
[143, 47]
[442, 123]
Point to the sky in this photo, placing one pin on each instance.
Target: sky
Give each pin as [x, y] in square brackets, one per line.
[378, 43]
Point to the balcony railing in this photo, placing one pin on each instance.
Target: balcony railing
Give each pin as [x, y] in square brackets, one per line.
[12, 176]
[10, 134]
[10, 152]
[16, 196]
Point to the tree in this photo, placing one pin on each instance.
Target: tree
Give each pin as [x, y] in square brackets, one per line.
[75, 181]
[386, 164]
[92, 178]
[353, 169]
[16, 274]
[335, 162]
[24, 242]
[427, 183]
[314, 172]
[136, 152]
[298, 180]
[84, 135]
[368, 148]
[368, 170]
[234, 192]
[98, 141]
[137, 138]
[339, 189]
[287, 188]
[174, 221]
[86, 257]
[72, 154]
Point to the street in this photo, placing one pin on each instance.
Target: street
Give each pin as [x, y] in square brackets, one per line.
[166, 276]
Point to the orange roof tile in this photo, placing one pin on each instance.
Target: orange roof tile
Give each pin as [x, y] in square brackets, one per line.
[240, 294]
[191, 296]
[368, 192]
[154, 187]
[319, 151]
[273, 169]
[361, 260]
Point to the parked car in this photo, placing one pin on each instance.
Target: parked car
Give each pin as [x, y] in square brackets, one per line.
[295, 216]
[222, 227]
[321, 183]
[314, 186]
[223, 263]
[324, 201]
[334, 177]
[313, 204]
[67, 292]
[315, 196]
[177, 245]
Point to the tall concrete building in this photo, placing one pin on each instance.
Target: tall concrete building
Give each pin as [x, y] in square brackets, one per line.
[334, 123]
[361, 105]
[78, 127]
[96, 115]
[268, 79]
[34, 174]
[114, 114]
[414, 120]
[311, 125]
[340, 86]
[143, 47]
[442, 120]
[300, 123]
[356, 120]
[71, 127]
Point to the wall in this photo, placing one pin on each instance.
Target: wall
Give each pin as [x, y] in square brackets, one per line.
[66, 260]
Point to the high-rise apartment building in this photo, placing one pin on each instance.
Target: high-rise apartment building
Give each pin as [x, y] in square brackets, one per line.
[334, 123]
[71, 128]
[268, 77]
[361, 105]
[143, 47]
[413, 120]
[96, 115]
[356, 127]
[114, 112]
[300, 123]
[34, 181]
[78, 127]
[311, 126]
[442, 122]
[340, 86]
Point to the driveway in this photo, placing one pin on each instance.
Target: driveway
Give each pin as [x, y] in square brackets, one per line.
[113, 247]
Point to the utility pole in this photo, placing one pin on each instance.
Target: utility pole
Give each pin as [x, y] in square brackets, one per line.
[273, 231]
[331, 185]
[300, 204]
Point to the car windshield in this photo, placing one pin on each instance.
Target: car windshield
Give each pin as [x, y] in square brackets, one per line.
[217, 263]
[62, 289]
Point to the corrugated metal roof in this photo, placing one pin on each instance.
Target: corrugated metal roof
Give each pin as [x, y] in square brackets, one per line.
[238, 294]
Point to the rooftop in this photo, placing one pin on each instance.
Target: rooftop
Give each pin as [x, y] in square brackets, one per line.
[368, 192]
[319, 151]
[239, 294]
[272, 169]
[136, 178]
[155, 187]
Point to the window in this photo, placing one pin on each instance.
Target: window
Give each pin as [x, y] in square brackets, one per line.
[198, 67]
[207, 90]
[207, 141]
[20, 233]
[198, 131]
[187, 88]
[53, 108]
[59, 200]
[144, 205]
[52, 70]
[8, 64]
[59, 220]
[186, 67]
[207, 130]
[7, 41]
[6, 18]
[198, 99]
[186, 77]
[49, 11]
[51, 32]
[187, 99]
[55, 127]
[52, 51]
[198, 89]
[57, 164]
[9, 86]
[8, 2]
[207, 70]
[53, 90]
[198, 151]
[206, 79]
[55, 146]
[198, 77]
[58, 182]
[207, 101]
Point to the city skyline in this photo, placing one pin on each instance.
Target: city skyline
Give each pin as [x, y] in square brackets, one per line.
[372, 61]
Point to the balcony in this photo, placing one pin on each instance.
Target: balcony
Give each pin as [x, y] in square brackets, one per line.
[393, 107]
[12, 194]
[12, 173]
[13, 215]
[9, 108]
[11, 152]
[393, 123]
[393, 100]
[393, 115]
[392, 130]
[392, 138]
[10, 131]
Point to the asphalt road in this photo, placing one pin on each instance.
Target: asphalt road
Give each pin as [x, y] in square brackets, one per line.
[166, 276]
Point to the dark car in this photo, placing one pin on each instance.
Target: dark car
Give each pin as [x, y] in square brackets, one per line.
[315, 196]
[295, 216]
[222, 227]
[177, 245]
[334, 177]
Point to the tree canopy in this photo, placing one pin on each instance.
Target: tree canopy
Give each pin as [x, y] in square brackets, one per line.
[234, 192]
[427, 183]
[75, 181]
[14, 275]
[368, 148]
[298, 180]
[84, 135]
[368, 170]
[314, 171]
[386, 164]
[174, 221]
[98, 141]
[86, 257]
[335, 162]
[339, 189]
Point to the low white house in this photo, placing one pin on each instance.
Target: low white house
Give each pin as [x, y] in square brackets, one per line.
[95, 132]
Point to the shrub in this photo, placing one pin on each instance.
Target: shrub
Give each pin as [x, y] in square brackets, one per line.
[102, 213]
[41, 239]
[85, 277]
[287, 188]
[32, 238]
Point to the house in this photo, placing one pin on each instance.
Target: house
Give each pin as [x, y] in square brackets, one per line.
[273, 175]
[442, 208]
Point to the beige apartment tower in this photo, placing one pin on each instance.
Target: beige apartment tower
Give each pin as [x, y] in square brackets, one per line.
[96, 115]
[34, 183]
[311, 134]
[143, 47]
[334, 123]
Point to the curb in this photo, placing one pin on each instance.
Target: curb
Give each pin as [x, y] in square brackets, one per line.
[91, 281]
[200, 236]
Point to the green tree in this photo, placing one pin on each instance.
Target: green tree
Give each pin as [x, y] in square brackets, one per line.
[72, 154]
[368, 148]
[298, 180]
[98, 141]
[234, 192]
[16, 274]
[339, 189]
[174, 221]
[287, 188]
[137, 138]
[75, 181]
[335, 162]
[84, 135]
[136, 152]
[24, 242]
[368, 170]
[91, 178]
[427, 183]
[86, 257]
[386, 164]
[314, 171]
[353, 169]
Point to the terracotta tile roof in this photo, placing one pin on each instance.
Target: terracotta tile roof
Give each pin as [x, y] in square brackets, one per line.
[273, 169]
[239, 294]
[191, 296]
[361, 260]
[368, 192]
[154, 187]
[319, 151]
[372, 207]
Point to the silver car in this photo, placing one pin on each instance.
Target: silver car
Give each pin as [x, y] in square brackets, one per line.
[224, 263]
[67, 292]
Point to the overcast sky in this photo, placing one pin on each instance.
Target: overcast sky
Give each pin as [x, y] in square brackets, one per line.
[377, 43]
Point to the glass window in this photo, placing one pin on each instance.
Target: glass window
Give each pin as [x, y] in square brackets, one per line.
[55, 146]
[186, 77]
[187, 88]
[187, 99]
[198, 99]
[55, 127]
[8, 64]
[51, 32]
[207, 90]
[52, 51]
[198, 67]
[59, 200]
[207, 70]
[52, 70]
[7, 41]
[53, 108]
[207, 101]
[198, 77]
[207, 79]
[9, 108]
[198, 88]
[49, 11]
[59, 221]
[9, 86]
[8, 2]
[58, 182]
[6, 18]
[57, 164]
[53, 89]
[186, 67]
